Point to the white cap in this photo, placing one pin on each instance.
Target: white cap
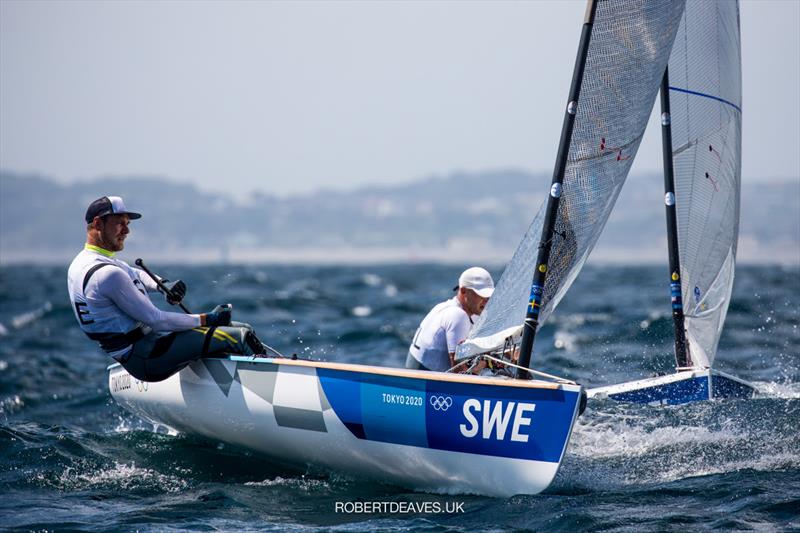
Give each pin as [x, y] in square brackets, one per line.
[477, 279]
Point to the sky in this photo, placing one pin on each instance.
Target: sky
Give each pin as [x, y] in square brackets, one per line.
[290, 97]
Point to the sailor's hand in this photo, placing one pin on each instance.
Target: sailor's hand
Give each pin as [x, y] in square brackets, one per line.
[177, 290]
[220, 316]
[480, 366]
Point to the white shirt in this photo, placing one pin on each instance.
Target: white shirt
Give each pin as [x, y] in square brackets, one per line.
[115, 298]
[445, 327]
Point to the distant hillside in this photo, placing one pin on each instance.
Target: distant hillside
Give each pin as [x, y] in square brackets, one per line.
[460, 218]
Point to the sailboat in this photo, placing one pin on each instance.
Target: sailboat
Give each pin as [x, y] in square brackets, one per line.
[699, 43]
[451, 432]
[701, 114]
[603, 129]
[432, 431]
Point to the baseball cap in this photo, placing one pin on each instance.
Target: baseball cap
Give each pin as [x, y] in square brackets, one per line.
[477, 279]
[108, 205]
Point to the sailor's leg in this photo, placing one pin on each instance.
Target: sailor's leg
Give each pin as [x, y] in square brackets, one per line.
[253, 346]
[157, 357]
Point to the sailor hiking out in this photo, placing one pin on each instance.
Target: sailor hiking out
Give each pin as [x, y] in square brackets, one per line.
[110, 302]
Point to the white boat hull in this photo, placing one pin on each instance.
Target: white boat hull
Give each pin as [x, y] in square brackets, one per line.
[423, 430]
[673, 389]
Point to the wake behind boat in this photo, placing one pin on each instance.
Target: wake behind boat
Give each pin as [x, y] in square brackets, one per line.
[428, 431]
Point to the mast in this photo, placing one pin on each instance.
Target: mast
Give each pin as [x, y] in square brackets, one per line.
[551, 213]
[682, 357]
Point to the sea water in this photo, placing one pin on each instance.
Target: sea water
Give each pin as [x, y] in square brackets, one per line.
[72, 459]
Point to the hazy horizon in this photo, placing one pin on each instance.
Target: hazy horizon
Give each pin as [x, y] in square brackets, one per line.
[287, 98]
[244, 195]
[427, 221]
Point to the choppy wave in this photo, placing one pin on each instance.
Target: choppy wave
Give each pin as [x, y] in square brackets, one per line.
[122, 477]
[617, 446]
[72, 459]
[25, 319]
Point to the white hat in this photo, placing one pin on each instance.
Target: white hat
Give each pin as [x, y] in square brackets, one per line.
[477, 279]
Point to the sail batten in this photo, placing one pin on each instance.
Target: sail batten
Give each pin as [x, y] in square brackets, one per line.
[711, 96]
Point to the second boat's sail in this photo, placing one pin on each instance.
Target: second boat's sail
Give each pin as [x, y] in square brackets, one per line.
[629, 49]
[706, 95]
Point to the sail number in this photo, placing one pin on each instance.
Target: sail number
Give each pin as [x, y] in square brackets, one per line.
[492, 419]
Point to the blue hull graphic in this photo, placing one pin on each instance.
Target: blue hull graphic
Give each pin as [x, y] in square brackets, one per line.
[684, 391]
[682, 387]
[724, 387]
[466, 417]
[421, 430]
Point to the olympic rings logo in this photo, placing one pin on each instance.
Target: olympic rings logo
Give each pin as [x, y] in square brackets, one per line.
[441, 403]
[142, 385]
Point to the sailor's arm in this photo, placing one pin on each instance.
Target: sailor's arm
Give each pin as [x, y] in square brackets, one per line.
[148, 282]
[118, 287]
[177, 288]
[456, 329]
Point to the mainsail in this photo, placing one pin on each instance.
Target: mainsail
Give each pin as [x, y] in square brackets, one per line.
[706, 101]
[629, 48]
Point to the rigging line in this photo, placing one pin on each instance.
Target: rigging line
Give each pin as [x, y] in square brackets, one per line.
[711, 96]
[532, 371]
[476, 358]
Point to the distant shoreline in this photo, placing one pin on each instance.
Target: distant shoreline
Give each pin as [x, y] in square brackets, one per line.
[748, 253]
[458, 219]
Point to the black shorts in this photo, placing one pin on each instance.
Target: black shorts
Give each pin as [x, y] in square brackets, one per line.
[157, 356]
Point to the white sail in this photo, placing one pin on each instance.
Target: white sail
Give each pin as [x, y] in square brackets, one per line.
[629, 48]
[706, 100]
